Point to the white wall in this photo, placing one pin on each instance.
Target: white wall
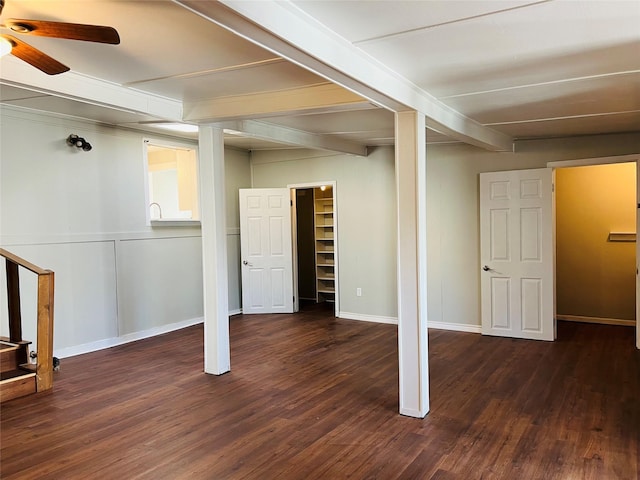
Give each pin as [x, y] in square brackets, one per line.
[367, 218]
[237, 175]
[365, 215]
[453, 212]
[83, 215]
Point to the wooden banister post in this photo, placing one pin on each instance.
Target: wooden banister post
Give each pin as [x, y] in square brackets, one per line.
[44, 369]
[44, 366]
[13, 301]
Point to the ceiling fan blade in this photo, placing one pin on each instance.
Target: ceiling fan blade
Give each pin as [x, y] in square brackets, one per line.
[72, 31]
[35, 57]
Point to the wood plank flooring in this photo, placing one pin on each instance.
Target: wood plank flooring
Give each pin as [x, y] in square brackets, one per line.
[314, 397]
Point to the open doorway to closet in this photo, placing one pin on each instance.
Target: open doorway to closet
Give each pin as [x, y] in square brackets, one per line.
[596, 210]
[315, 245]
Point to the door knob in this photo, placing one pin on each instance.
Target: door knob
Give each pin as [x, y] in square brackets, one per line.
[244, 262]
[486, 268]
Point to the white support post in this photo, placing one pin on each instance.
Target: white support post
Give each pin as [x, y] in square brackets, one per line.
[217, 359]
[411, 184]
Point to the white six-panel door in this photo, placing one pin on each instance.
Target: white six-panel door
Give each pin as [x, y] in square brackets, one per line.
[516, 250]
[265, 246]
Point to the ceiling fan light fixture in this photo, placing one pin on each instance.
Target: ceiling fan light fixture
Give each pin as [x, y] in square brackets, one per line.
[44, 28]
[5, 46]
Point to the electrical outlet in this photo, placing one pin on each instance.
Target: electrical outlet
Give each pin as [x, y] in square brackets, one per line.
[358, 292]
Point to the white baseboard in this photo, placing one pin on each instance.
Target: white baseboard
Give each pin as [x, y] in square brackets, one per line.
[130, 337]
[235, 312]
[367, 318]
[456, 327]
[410, 412]
[605, 321]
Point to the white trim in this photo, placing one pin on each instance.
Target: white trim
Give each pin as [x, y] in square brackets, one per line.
[300, 186]
[410, 412]
[604, 321]
[130, 337]
[160, 223]
[182, 143]
[594, 161]
[454, 327]
[291, 136]
[60, 239]
[82, 88]
[237, 311]
[367, 318]
[87, 124]
[293, 198]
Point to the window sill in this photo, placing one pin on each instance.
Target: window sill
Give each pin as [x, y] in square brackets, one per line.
[175, 223]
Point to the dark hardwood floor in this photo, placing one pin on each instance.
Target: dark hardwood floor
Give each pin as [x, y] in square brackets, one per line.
[314, 397]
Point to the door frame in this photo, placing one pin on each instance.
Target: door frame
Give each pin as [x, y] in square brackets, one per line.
[634, 158]
[294, 239]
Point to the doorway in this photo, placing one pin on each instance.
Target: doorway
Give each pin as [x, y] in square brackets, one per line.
[595, 236]
[315, 245]
[305, 251]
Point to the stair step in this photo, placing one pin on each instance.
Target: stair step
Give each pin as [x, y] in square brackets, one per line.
[15, 384]
[8, 340]
[12, 355]
[28, 367]
[11, 374]
[5, 347]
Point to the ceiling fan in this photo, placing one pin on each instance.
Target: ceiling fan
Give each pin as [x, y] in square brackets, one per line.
[39, 59]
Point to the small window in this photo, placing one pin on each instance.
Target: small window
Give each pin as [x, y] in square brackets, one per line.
[172, 182]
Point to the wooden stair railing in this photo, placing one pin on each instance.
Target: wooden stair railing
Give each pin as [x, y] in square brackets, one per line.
[44, 358]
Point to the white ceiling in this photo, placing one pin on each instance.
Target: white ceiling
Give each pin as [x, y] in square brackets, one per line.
[524, 69]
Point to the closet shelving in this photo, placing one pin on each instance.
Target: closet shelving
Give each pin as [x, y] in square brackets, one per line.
[324, 244]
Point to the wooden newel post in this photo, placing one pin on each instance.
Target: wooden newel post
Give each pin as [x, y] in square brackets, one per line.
[13, 301]
[44, 371]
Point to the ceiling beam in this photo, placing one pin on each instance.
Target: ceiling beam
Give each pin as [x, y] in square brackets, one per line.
[283, 29]
[290, 136]
[85, 89]
[321, 98]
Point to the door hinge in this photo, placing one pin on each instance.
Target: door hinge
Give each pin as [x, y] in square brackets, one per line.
[291, 202]
[553, 187]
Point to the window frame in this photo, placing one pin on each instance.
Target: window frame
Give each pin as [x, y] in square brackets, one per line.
[175, 144]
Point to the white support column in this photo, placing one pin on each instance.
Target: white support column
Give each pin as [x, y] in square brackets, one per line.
[214, 251]
[411, 185]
